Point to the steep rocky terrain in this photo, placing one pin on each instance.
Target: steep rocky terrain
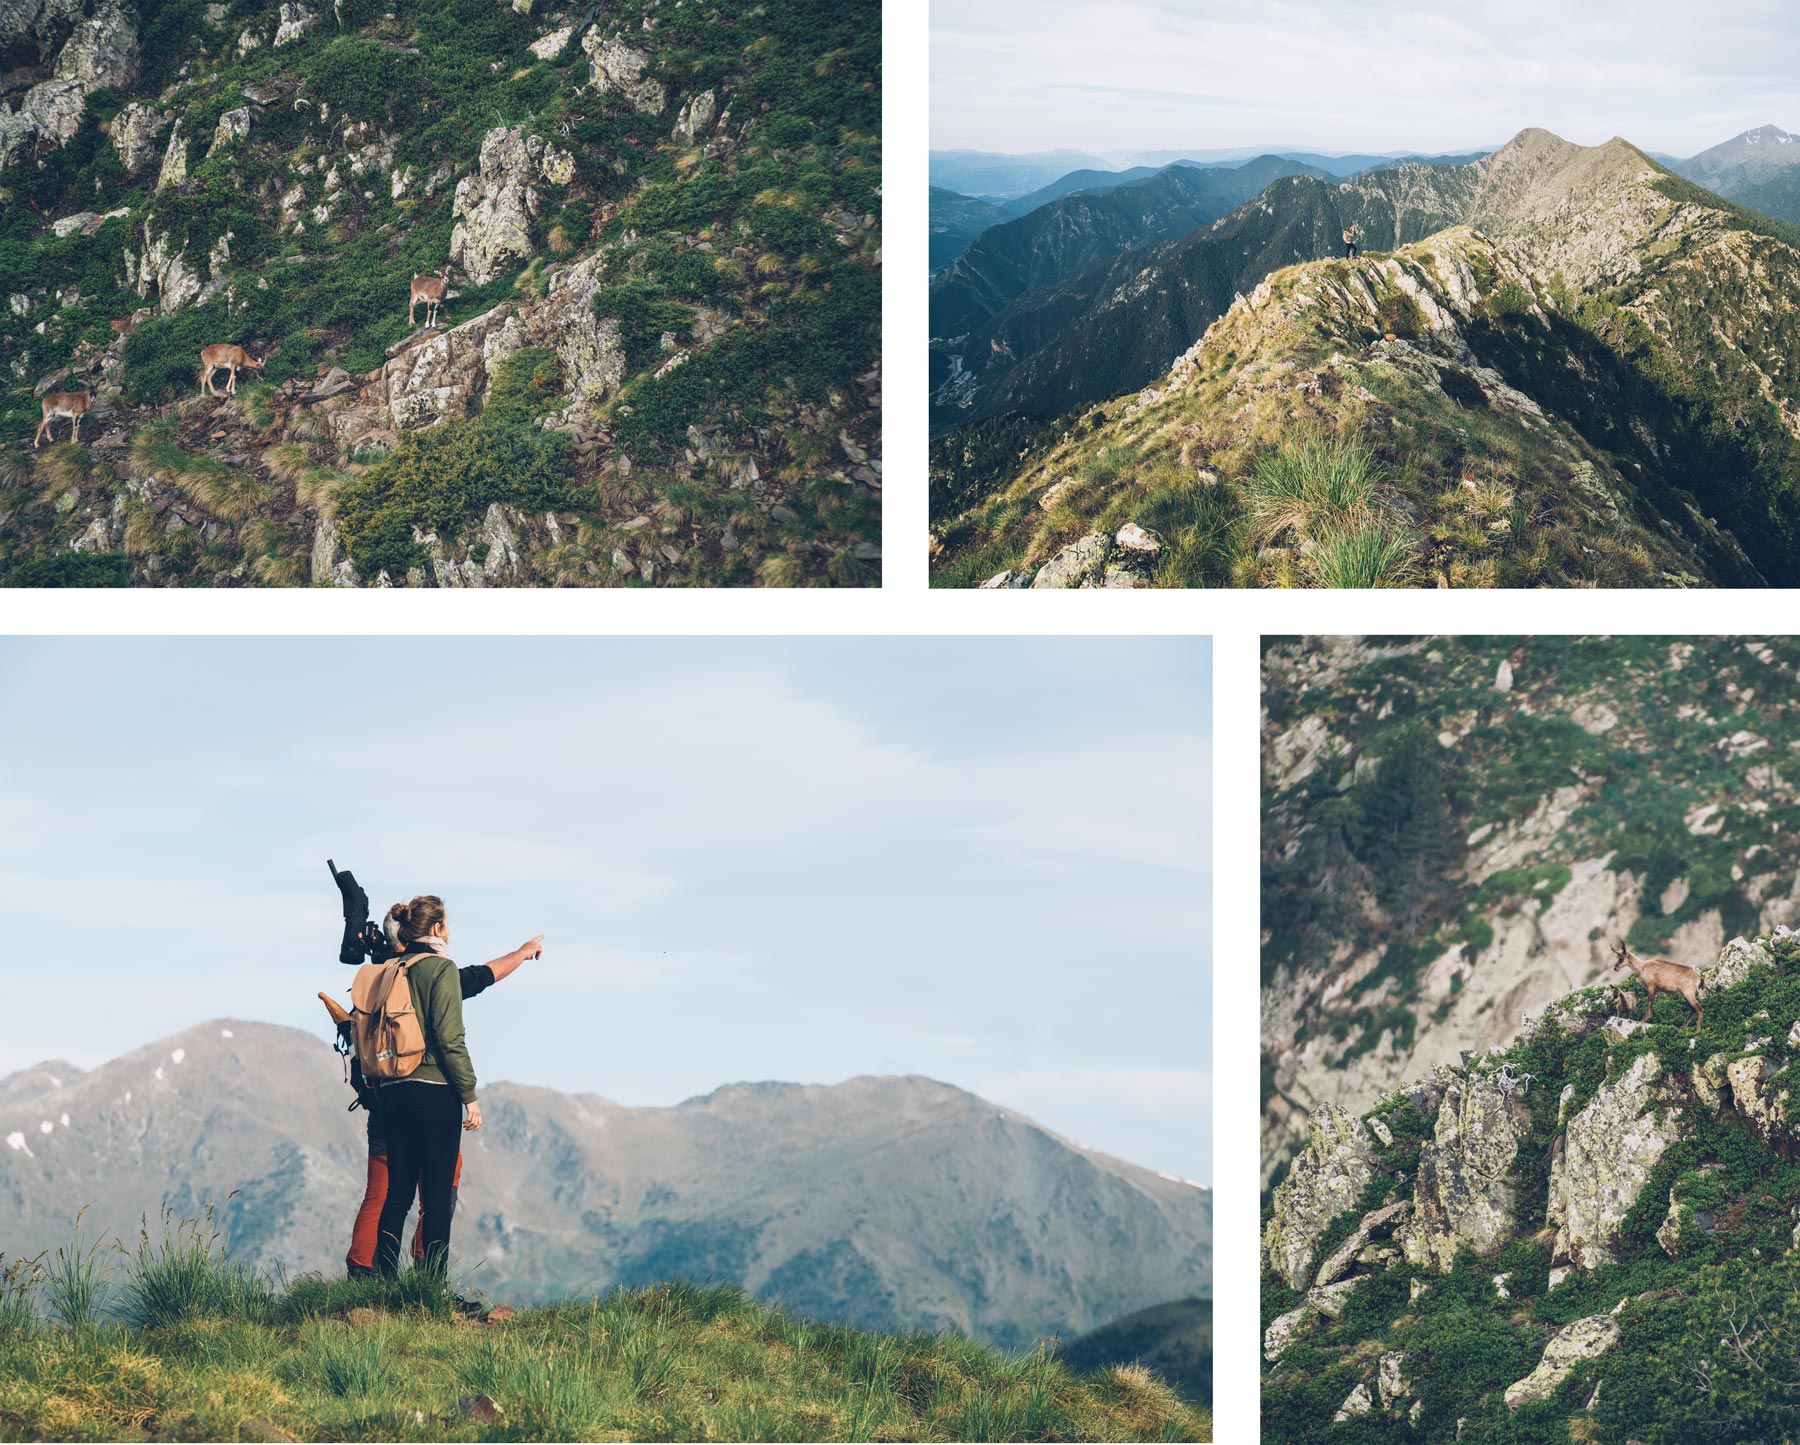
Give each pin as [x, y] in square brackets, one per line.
[658, 362]
[1759, 169]
[1603, 341]
[1456, 830]
[1587, 1232]
[891, 1202]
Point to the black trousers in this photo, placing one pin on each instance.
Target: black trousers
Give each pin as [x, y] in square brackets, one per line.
[423, 1124]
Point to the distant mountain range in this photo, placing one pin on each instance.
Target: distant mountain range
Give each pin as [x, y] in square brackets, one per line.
[1619, 328]
[891, 1202]
[1759, 169]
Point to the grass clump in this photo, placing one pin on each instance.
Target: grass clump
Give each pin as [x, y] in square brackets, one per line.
[1323, 492]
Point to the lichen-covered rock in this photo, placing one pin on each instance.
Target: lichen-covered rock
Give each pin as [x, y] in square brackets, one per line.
[233, 126]
[1670, 1234]
[1734, 965]
[498, 205]
[616, 66]
[696, 119]
[134, 132]
[1325, 1180]
[1390, 1379]
[1283, 1329]
[161, 269]
[1357, 1402]
[1609, 1149]
[1756, 1099]
[1080, 564]
[548, 47]
[331, 566]
[1567, 1348]
[174, 166]
[1331, 1300]
[1462, 1192]
[293, 22]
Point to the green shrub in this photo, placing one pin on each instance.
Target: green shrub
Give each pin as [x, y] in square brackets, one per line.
[72, 569]
[1399, 315]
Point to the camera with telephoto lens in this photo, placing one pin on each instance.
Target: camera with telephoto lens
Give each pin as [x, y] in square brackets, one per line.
[365, 941]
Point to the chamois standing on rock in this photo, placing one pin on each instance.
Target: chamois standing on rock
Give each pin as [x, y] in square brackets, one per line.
[431, 290]
[232, 357]
[70, 404]
[1659, 975]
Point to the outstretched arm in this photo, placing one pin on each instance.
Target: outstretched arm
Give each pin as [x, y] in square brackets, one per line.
[507, 962]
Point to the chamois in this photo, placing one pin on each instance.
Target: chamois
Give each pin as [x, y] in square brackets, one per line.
[1658, 975]
[232, 357]
[72, 404]
[431, 290]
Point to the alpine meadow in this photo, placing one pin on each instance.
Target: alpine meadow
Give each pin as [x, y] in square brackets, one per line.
[451, 294]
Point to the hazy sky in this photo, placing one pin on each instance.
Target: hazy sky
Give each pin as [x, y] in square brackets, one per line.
[982, 860]
[1357, 75]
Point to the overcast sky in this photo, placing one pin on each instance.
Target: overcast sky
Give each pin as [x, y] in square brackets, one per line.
[981, 860]
[1357, 75]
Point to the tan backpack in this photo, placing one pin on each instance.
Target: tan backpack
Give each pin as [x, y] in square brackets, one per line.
[384, 1028]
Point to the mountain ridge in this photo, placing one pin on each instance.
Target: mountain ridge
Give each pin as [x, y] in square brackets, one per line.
[898, 1199]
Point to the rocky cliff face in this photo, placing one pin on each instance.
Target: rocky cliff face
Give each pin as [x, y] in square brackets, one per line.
[1592, 790]
[1562, 1200]
[636, 196]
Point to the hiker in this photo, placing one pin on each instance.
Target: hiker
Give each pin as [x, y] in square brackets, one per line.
[424, 1111]
[1352, 235]
[474, 979]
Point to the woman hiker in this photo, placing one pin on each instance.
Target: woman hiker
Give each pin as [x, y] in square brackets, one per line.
[424, 1114]
[474, 979]
[1352, 235]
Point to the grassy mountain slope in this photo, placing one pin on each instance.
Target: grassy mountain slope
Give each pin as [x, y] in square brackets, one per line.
[1173, 1341]
[890, 1203]
[1455, 830]
[956, 220]
[1586, 1233]
[1617, 328]
[661, 227]
[211, 1355]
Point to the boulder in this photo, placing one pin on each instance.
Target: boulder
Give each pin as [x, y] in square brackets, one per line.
[1330, 1300]
[1283, 1329]
[292, 24]
[1608, 1152]
[331, 566]
[1390, 1379]
[1135, 539]
[1325, 1180]
[174, 166]
[1756, 1099]
[233, 126]
[162, 266]
[1081, 563]
[1567, 1348]
[134, 132]
[617, 66]
[1462, 1192]
[548, 47]
[1735, 964]
[497, 206]
[696, 119]
[1357, 1402]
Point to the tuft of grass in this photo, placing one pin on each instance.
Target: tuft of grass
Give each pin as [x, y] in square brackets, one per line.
[75, 1284]
[21, 1281]
[257, 401]
[185, 1274]
[1369, 553]
[206, 481]
[1310, 481]
[64, 465]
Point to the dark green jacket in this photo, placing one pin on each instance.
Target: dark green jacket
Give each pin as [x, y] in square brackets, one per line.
[437, 999]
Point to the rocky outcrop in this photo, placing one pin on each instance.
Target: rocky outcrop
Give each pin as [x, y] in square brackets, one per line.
[1328, 1178]
[292, 24]
[174, 166]
[100, 52]
[233, 127]
[1567, 1348]
[695, 120]
[617, 67]
[1121, 560]
[1608, 1151]
[160, 269]
[548, 47]
[498, 206]
[1462, 1193]
[134, 132]
[1733, 966]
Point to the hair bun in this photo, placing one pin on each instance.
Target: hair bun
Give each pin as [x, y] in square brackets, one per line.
[400, 913]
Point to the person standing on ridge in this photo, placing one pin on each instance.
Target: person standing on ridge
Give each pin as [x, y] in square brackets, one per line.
[424, 1112]
[1352, 237]
[474, 979]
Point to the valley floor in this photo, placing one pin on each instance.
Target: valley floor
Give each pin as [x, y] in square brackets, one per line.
[343, 1361]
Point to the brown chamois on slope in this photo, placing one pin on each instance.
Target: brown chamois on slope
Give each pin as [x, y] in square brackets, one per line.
[431, 290]
[213, 358]
[71, 404]
[1659, 975]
